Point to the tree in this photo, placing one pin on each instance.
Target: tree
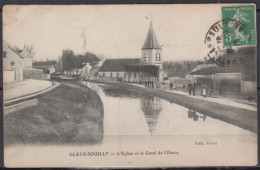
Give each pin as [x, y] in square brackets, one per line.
[67, 60]
[71, 61]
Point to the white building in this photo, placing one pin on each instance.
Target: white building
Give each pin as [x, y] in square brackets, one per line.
[12, 64]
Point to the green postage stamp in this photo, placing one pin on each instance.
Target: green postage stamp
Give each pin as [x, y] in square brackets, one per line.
[239, 27]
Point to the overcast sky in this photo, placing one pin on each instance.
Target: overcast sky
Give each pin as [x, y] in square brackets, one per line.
[115, 31]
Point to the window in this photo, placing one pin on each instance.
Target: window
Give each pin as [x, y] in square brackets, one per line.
[4, 54]
[144, 58]
[159, 57]
[12, 63]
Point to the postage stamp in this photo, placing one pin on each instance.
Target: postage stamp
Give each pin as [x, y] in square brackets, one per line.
[223, 55]
[240, 28]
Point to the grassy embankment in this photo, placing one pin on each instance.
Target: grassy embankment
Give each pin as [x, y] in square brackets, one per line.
[70, 113]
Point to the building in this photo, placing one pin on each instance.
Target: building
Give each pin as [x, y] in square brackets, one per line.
[12, 64]
[26, 53]
[85, 70]
[137, 70]
[93, 73]
[229, 79]
[115, 69]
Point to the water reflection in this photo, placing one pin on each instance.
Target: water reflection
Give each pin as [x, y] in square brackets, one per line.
[117, 92]
[132, 113]
[193, 115]
[151, 107]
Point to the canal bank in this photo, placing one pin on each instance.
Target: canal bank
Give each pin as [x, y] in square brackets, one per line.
[241, 117]
[69, 114]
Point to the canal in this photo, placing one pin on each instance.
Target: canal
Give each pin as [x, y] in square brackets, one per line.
[132, 113]
[137, 130]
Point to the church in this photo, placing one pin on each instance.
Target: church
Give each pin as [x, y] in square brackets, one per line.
[137, 70]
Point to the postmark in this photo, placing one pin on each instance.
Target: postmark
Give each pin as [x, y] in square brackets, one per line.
[217, 52]
[226, 39]
[240, 28]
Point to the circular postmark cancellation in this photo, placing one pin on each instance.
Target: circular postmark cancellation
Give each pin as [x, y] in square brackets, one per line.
[217, 52]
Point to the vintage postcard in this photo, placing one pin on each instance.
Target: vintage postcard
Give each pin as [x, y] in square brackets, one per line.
[130, 85]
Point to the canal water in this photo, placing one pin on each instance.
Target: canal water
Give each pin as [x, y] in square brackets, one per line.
[142, 130]
[132, 113]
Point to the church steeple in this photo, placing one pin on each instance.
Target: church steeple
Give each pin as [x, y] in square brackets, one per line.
[151, 50]
[151, 41]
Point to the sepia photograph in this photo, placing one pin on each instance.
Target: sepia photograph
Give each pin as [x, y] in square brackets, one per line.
[90, 86]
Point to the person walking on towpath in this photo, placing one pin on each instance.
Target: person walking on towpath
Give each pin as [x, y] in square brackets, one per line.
[171, 85]
[194, 89]
[152, 84]
[204, 90]
[190, 88]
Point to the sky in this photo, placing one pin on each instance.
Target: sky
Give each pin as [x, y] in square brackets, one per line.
[114, 31]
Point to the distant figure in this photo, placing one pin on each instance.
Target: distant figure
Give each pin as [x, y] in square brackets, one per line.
[194, 88]
[145, 83]
[171, 85]
[204, 90]
[152, 84]
[190, 88]
[157, 85]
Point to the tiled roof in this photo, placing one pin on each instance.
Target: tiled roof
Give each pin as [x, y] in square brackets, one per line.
[116, 65]
[151, 41]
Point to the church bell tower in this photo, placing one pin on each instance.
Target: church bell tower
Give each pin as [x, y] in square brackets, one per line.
[151, 50]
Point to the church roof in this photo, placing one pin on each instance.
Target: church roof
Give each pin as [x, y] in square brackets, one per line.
[116, 65]
[151, 41]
